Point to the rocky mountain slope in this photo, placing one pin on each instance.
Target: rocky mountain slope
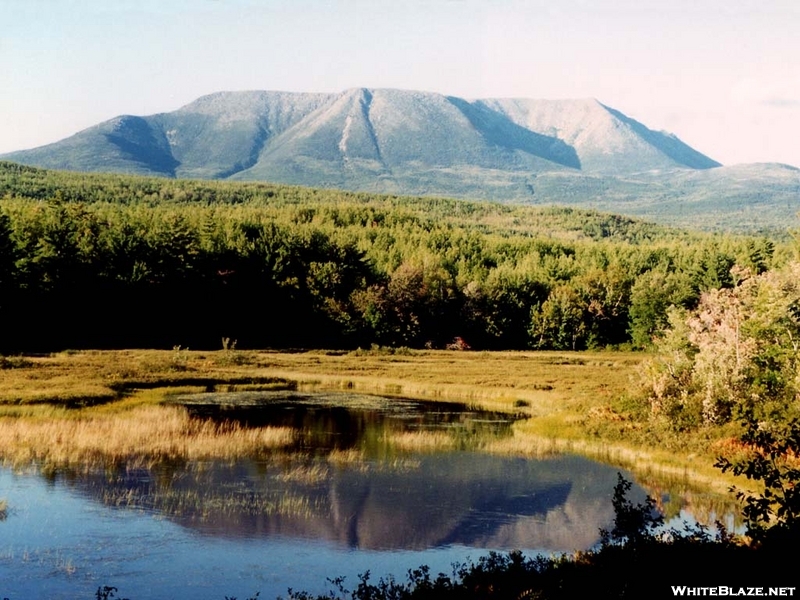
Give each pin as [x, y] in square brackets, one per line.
[362, 134]
[418, 143]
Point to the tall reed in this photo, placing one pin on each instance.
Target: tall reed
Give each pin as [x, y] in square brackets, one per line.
[146, 432]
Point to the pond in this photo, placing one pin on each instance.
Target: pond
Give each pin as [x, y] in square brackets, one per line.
[369, 483]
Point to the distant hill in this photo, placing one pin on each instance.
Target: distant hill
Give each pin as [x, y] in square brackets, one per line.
[418, 143]
[747, 197]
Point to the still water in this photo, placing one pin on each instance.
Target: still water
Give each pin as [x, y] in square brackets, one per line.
[345, 499]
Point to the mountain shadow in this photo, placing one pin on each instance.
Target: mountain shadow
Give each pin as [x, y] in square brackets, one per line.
[668, 144]
[497, 129]
[139, 142]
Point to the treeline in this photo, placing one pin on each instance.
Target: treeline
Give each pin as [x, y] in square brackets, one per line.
[94, 261]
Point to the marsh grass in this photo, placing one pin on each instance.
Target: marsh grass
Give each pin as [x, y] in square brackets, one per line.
[421, 442]
[576, 402]
[349, 456]
[356, 460]
[144, 432]
[305, 474]
[13, 362]
[546, 380]
[210, 504]
[3, 509]
[89, 378]
[64, 564]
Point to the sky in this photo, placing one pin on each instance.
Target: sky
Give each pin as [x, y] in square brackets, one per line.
[722, 75]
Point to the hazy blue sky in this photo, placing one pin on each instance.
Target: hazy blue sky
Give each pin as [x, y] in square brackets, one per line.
[723, 75]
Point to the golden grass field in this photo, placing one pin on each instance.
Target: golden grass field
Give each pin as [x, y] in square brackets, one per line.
[550, 382]
[72, 407]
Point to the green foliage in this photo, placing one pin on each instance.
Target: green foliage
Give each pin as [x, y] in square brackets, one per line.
[634, 524]
[8, 253]
[771, 457]
[652, 294]
[107, 592]
[736, 353]
[177, 261]
[560, 322]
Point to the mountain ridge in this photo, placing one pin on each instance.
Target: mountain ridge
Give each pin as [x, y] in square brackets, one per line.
[577, 152]
[227, 133]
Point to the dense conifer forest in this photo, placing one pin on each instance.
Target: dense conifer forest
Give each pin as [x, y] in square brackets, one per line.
[111, 261]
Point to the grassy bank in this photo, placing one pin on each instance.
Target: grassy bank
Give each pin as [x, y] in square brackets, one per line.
[539, 383]
[74, 405]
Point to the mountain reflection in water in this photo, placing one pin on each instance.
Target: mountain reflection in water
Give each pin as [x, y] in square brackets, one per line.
[378, 484]
[448, 498]
[345, 483]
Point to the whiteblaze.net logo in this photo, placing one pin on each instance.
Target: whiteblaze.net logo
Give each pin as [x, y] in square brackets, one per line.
[724, 590]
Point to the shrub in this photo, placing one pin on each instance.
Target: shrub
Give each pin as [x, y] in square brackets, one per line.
[739, 351]
[773, 458]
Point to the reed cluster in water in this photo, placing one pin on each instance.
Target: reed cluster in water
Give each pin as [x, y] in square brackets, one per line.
[421, 441]
[209, 504]
[145, 432]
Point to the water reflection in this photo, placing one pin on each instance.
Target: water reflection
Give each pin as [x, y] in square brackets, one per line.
[347, 481]
[339, 421]
[346, 498]
[434, 500]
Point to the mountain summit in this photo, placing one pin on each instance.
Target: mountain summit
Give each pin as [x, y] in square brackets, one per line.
[380, 140]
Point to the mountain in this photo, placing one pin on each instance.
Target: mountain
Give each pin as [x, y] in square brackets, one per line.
[418, 143]
[360, 135]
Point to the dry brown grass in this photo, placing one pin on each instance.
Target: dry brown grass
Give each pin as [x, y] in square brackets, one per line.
[349, 456]
[306, 474]
[421, 441]
[146, 433]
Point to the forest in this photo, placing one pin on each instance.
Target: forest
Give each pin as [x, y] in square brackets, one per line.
[115, 261]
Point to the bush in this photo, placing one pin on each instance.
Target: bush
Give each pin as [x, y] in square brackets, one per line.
[772, 458]
[738, 352]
